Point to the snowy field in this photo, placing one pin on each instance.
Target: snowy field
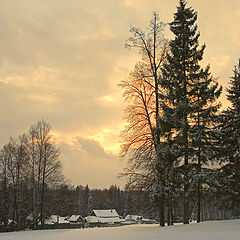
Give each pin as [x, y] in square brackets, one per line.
[218, 230]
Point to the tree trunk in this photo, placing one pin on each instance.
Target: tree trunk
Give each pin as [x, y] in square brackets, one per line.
[162, 213]
[186, 153]
[43, 185]
[169, 215]
[186, 204]
[199, 190]
[34, 220]
[199, 183]
[186, 183]
[5, 197]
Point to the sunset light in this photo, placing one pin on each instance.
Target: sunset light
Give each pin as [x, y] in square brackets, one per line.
[125, 108]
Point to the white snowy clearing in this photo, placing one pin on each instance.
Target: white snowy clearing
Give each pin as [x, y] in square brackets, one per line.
[216, 230]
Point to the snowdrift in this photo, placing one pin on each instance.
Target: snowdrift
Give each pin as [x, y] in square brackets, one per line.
[216, 230]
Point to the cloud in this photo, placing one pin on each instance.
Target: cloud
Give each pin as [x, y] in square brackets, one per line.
[91, 148]
[86, 162]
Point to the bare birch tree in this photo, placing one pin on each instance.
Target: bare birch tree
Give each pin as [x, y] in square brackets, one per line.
[142, 135]
[44, 165]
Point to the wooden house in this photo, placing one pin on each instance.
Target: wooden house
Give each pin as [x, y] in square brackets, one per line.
[104, 217]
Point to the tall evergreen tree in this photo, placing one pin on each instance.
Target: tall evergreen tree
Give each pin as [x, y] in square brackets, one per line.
[190, 93]
[205, 112]
[89, 204]
[230, 145]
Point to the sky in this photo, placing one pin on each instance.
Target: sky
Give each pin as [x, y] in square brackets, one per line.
[62, 61]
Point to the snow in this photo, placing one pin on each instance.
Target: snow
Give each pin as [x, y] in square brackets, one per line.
[10, 221]
[54, 219]
[94, 219]
[104, 216]
[106, 213]
[74, 218]
[133, 217]
[215, 230]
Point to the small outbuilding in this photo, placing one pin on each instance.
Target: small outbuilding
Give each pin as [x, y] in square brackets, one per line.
[133, 219]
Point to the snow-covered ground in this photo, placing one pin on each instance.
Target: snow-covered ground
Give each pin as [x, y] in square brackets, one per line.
[217, 230]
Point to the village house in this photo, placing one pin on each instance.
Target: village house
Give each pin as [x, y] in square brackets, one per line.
[104, 217]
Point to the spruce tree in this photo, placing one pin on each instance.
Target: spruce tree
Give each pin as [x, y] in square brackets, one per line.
[89, 205]
[230, 145]
[205, 109]
[189, 96]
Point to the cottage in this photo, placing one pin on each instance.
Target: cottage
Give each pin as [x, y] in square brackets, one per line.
[104, 217]
[76, 219]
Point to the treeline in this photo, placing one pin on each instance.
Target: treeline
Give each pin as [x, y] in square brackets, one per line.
[181, 148]
[82, 200]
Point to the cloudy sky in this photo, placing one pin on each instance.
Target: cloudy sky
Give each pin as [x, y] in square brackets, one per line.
[61, 61]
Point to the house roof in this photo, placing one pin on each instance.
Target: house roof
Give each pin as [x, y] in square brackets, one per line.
[54, 219]
[74, 218]
[10, 221]
[106, 213]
